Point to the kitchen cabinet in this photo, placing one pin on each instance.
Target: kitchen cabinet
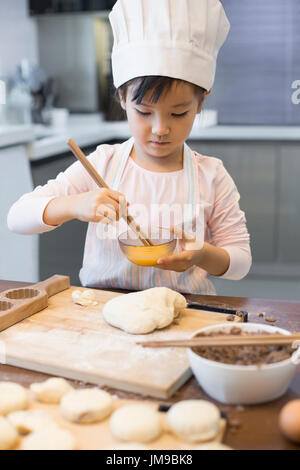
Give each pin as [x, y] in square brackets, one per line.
[266, 174]
[252, 166]
[289, 203]
[61, 250]
[18, 254]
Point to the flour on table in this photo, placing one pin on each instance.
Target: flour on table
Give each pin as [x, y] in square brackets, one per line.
[100, 349]
[94, 351]
[144, 311]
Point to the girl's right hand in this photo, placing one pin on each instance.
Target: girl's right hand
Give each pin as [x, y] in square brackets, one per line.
[101, 205]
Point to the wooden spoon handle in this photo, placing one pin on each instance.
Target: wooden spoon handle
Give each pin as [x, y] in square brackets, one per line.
[224, 341]
[87, 165]
[54, 284]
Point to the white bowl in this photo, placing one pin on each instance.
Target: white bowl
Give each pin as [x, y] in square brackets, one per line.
[236, 384]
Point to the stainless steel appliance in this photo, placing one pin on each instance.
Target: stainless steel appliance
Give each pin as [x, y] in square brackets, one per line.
[75, 50]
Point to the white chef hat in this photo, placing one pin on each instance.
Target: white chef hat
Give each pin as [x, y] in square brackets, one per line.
[173, 38]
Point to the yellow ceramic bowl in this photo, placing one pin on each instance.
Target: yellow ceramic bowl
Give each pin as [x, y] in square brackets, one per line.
[163, 245]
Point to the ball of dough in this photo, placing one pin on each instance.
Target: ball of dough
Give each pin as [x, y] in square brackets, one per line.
[86, 406]
[8, 435]
[13, 397]
[194, 420]
[49, 439]
[52, 390]
[137, 423]
[144, 311]
[31, 420]
[213, 446]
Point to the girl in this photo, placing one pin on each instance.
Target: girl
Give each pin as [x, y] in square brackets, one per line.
[163, 62]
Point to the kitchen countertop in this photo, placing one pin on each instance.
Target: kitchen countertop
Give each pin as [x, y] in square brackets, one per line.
[14, 135]
[249, 427]
[91, 129]
[88, 129]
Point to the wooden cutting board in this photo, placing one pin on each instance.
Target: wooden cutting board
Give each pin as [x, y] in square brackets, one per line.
[98, 436]
[72, 341]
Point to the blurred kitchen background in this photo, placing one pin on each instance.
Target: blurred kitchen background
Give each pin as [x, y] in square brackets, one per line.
[55, 64]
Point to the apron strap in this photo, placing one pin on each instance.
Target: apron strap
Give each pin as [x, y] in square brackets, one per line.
[119, 161]
[190, 188]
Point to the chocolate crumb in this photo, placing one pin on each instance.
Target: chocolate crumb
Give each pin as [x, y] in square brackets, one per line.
[164, 408]
[230, 318]
[235, 331]
[261, 314]
[271, 319]
[240, 408]
[234, 423]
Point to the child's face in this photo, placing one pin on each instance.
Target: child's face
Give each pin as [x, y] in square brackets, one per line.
[170, 120]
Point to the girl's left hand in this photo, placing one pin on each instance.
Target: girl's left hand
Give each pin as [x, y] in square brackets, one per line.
[189, 256]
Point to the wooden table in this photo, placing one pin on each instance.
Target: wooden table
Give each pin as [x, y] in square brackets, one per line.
[250, 427]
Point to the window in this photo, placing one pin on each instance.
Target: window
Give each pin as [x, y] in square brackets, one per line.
[258, 63]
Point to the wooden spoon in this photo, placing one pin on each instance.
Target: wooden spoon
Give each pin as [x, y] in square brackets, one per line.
[230, 340]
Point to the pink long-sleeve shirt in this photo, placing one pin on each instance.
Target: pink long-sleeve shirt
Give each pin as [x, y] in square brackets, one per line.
[104, 266]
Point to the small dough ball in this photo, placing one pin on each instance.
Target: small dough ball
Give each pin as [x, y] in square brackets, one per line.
[13, 397]
[213, 446]
[137, 423]
[52, 390]
[86, 406]
[31, 420]
[194, 420]
[84, 298]
[289, 420]
[88, 294]
[49, 439]
[8, 435]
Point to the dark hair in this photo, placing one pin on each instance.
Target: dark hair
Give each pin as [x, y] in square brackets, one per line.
[156, 83]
